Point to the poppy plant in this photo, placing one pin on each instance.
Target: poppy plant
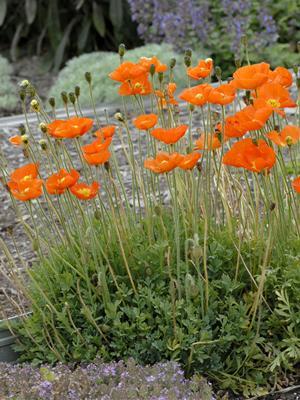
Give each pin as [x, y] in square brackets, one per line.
[96, 146]
[62, 180]
[140, 85]
[83, 191]
[97, 158]
[211, 142]
[296, 184]
[167, 97]
[171, 135]
[145, 121]
[282, 76]
[146, 63]
[222, 95]
[289, 135]
[127, 71]
[253, 156]
[26, 190]
[202, 70]
[16, 140]
[273, 96]
[197, 95]
[251, 76]
[189, 161]
[106, 132]
[252, 118]
[164, 162]
[26, 173]
[70, 128]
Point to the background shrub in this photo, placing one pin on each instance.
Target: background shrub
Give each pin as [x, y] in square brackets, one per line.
[8, 98]
[100, 64]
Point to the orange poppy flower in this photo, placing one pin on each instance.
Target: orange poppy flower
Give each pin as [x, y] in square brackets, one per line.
[145, 121]
[189, 161]
[127, 71]
[70, 128]
[169, 136]
[274, 97]
[233, 127]
[97, 158]
[26, 190]
[251, 76]
[296, 184]
[106, 132]
[212, 142]
[282, 76]
[252, 118]
[96, 146]
[59, 182]
[146, 63]
[168, 96]
[252, 156]
[224, 94]
[16, 140]
[24, 174]
[140, 85]
[164, 162]
[197, 95]
[202, 70]
[287, 137]
[84, 191]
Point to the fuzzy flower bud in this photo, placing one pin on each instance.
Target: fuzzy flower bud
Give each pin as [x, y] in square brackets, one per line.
[77, 91]
[152, 69]
[43, 127]
[43, 144]
[187, 61]
[160, 76]
[122, 50]
[218, 72]
[88, 77]
[52, 101]
[72, 97]
[64, 97]
[34, 104]
[119, 117]
[22, 129]
[188, 52]
[172, 63]
[25, 139]
[24, 84]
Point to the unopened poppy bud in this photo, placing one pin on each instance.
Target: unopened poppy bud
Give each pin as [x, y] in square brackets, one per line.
[43, 127]
[160, 76]
[237, 62]
[172, 63]
[122, 49]
[77, 91]
[272, 206]
[25, 139]
[119, 117]
[97, 215]
[157, 210]
[152, 69]
[289, 141]
[88, 77]
[43, 144]
[255, 142]
[187, 61]
[72, 97]
[199, 166]
[22, 95]
[52, 101]
[107, 166]
[188, 52]
[34, 104]
[64, 97]
[191, 107]
[218, 72]
[24, 84]
[22, 129]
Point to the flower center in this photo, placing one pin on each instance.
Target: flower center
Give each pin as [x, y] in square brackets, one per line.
[273, 103]
[26, 178]
[84, 192]
[289, 140]
[199, 96]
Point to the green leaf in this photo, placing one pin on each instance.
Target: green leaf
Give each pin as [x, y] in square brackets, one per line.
[116, 13]
[84, 34]
[30, 10]
[3, 9]
[59, 55]
[15, 41]
[79, 4]
[98, 19]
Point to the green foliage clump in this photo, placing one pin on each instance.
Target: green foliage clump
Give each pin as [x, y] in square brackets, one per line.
[100, 64]
[80, 312]
[8, 98]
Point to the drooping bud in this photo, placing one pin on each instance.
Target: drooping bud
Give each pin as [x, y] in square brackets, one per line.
[172, 63]
[52, 101]
[43, 127]
[64, 97]
[77, 91]
[187, 61]
[34, 104]
[88, 77]
[119, 117]
[72, 97]
[43, 144]
[122, 49]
